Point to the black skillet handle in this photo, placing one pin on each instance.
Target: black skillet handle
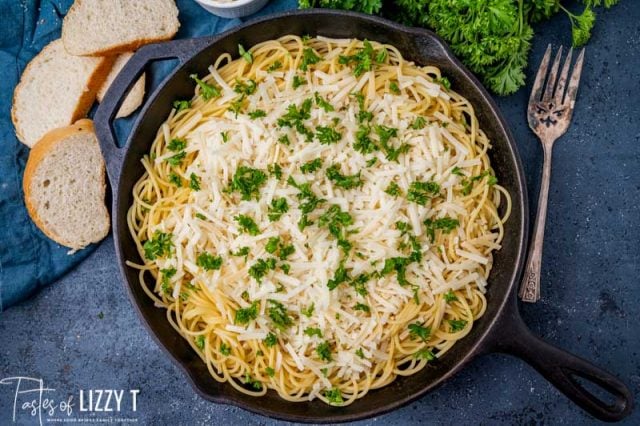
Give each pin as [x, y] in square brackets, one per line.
[561, 368]
[106, 112]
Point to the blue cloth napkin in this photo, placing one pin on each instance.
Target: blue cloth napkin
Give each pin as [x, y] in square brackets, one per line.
[28, 259]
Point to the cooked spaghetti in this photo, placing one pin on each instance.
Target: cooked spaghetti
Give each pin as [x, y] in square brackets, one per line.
[319, 218]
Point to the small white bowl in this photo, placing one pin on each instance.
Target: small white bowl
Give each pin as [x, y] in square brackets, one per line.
[232, 9]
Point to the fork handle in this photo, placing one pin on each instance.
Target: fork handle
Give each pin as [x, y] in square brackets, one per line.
[530, 285]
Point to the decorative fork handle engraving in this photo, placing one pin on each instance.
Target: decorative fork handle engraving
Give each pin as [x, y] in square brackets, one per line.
[530, 290]
[530, 286]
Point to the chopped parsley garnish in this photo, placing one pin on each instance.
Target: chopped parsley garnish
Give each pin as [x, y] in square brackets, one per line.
[208, 261]
[176, 159]
[457, 325]
[166, 277]
[360, 353]
[274, 66]
[247, 181]
[420, 192]
[393, 86]
[236, 106]
[286, 251]
[257, 114]
[363, 59]
[304, 222]
[385, 134]
[245, 88]
[445, 224]
[245, 315]
[322, 103]
[313, 331]
[457, 171]
[334, 396]
[308, 311]
[174, 179]
[180, 105]
[393, 189]
[362, 307]
[207, 91]
[200, 340]
[324, 351]
[311, 166]
[336, 221]
[343, 181]
[194, 182]
[272, 245]
[467, 184]
[177, 145]
[247, 225]
[295, 116]
[425, 354]
[285, 268]
[364, 144]
[259, 269]
[403, 227]
[270, 340]
[327, 135]
[309, 57]
[270, 371]
[339, 277]
[278, 207]
[242, 251]
[371, 161]
[359, 284]
[159, 245]
[363, 114]
[225, 350]
[249, 381]
[450, 296]
[245, 54]
[275, 170]
[309, 201]
[417, 330]
[397, 265]
[279, 315]
[444, 82]
[418, 123]
[298, 81]
[284, 140]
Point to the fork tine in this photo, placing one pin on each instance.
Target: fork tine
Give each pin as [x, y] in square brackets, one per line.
[536, 90]
[572, 90]
[551, 81]
[559, 94]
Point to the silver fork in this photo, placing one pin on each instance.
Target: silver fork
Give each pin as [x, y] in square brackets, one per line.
[549, 114]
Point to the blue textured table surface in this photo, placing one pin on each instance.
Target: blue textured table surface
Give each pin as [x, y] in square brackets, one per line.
[81, 332]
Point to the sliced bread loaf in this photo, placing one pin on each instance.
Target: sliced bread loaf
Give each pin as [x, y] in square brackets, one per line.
[105, 27]
[64, 186]
[55, 90]
[135, 96]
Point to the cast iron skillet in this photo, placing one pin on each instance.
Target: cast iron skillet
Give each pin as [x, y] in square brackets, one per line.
[500, 330]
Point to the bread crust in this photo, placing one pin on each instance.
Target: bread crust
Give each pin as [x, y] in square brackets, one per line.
[37, 154]
[88, 97]
[118, 48]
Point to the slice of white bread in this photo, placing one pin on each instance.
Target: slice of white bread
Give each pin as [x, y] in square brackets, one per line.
[135, 96]
[55, 90]
[106, 27]
[64, 186]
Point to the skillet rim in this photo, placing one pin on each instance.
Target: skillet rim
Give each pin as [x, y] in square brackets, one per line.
[519, 186]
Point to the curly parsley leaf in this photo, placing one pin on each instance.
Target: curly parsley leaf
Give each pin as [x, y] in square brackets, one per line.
[160, 245]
